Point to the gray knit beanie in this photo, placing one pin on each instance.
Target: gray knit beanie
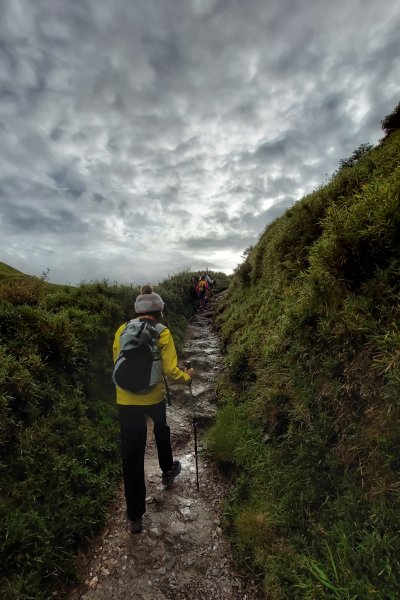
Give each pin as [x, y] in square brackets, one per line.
[145, 303]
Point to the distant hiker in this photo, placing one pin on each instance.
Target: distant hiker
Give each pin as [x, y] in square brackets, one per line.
[144, 339]
[202, 288]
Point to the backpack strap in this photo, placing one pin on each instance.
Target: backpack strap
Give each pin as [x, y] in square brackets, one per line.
[139, 333]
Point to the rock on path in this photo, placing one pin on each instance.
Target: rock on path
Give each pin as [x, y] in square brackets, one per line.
[182, 552]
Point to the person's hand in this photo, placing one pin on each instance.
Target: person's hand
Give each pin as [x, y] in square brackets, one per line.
[190, 372]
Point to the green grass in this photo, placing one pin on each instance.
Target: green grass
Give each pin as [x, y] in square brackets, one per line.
[310, 390]
[7, 272]
[10, 275]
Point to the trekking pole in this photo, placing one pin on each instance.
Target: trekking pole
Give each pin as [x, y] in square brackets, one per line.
[188, 365]
[168, 393]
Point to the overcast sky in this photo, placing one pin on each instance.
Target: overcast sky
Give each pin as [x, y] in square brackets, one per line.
[139, 138]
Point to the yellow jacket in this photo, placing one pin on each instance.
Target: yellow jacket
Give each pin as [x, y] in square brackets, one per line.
[170, 369]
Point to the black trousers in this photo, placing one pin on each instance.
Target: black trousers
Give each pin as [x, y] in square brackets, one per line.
[133, 426]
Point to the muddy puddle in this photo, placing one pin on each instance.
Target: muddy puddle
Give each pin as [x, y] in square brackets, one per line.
[182, 552]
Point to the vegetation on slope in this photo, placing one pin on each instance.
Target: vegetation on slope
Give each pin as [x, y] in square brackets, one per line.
[58, 431]
[7, 272]
[310, 409]
[11, 275]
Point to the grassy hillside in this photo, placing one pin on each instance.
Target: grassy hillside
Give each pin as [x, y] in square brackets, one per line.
[7, 272]
[58, 432]
[309, 418]
[12, 279]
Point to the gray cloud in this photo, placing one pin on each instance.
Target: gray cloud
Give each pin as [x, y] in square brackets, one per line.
[226, 242]
[69, 180]
[139, 139]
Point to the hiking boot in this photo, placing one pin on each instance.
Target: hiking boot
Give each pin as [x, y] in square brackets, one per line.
[136, 525]
[169, 476]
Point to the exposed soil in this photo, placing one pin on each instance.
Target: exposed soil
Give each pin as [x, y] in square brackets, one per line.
[182, 552]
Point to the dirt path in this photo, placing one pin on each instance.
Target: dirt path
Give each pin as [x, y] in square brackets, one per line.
[182, 552]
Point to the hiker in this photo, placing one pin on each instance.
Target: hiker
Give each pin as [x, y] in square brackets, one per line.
[202, 288]
[135, 407]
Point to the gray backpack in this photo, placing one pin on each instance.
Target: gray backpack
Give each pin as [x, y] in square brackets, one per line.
[138, 366]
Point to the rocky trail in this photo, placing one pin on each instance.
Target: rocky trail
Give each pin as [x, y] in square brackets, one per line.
[182, 552]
